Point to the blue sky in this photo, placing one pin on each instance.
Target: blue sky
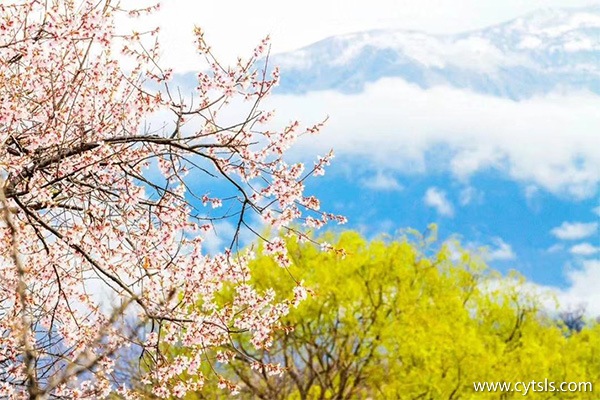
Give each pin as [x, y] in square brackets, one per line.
[492, 211]
[520, 177]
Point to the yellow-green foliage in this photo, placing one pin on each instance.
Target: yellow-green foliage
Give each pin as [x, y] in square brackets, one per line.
[393, 319]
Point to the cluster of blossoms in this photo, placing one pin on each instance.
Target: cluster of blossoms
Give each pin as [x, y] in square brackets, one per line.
[97, 207]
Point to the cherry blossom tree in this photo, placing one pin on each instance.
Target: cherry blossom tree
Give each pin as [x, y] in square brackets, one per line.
[95, 203]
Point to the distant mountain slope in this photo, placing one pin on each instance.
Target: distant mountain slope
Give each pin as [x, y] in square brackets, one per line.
[548, 50]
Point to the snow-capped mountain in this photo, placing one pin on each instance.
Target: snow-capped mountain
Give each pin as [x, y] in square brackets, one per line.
[548, 50]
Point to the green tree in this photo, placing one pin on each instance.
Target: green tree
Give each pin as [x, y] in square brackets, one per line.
[396, 319]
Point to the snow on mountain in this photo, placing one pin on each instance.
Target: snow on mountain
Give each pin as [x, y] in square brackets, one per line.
[548, 50]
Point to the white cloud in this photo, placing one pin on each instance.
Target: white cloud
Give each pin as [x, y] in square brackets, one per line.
[596, 211]
[531, 191]
[548, 142]
[583, 288]
[436, 198]
[218, 237]
[533, 198]
[501, 251]
[575, 230]
[497, 250]
[584, 249]
[555, 248]
[470, 195]
[382, 182]
[474, 159]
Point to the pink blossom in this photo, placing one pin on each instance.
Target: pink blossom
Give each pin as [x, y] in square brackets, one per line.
[101, 229]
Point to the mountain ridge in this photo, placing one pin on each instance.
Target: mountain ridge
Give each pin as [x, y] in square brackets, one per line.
[544, 51]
